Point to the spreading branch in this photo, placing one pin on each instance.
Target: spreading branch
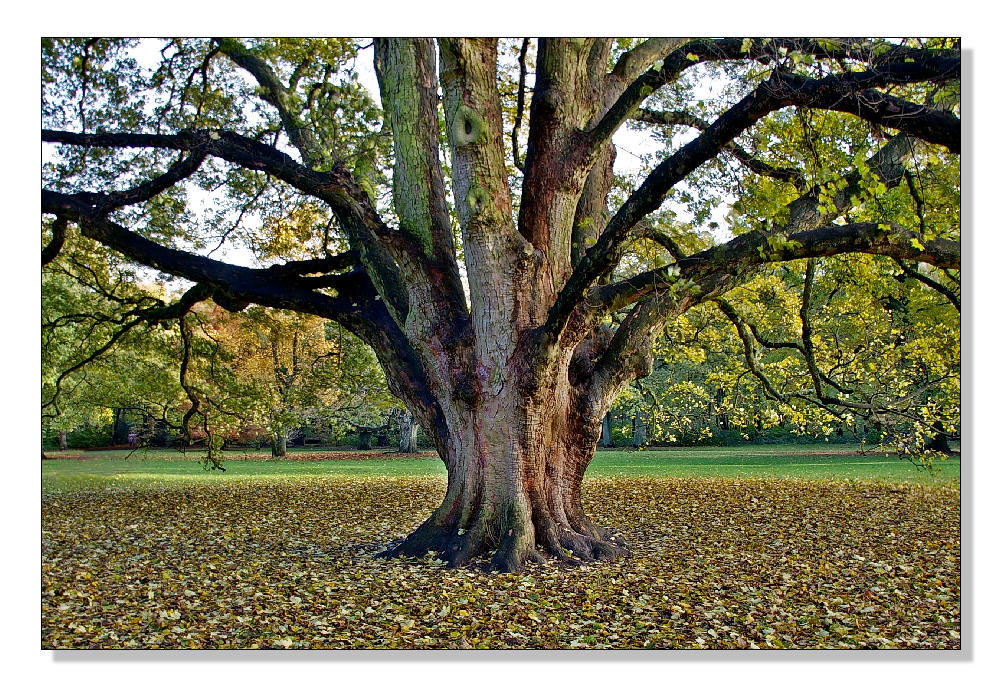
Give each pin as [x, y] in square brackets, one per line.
[758, 166]
[278, 95]
[778, 91]
[767, 51]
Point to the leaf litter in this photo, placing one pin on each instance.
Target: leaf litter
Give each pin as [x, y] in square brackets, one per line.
[291, 564]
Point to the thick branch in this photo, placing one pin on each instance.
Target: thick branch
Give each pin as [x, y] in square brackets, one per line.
[869, 238]
[254, 285]
[852, 93]
[279, 96]
[779, 91]
[633, 63]
[607, 251]
[938, 65]
[786, 174]
[335, 187]
[407, 76]
[318, 265]
[50, 251]
[716, 270]
[349, 202]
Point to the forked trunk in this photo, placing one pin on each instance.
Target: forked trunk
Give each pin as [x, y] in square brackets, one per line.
[515, 430]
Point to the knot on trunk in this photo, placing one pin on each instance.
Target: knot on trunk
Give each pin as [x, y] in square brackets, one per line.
[468, 127]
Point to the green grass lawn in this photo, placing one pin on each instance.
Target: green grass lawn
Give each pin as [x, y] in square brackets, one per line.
[106, 469]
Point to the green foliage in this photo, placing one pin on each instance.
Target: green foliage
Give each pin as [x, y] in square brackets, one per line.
[256, 373]
[89, 299]
[887, 346]
[177, 84]
[270, 373]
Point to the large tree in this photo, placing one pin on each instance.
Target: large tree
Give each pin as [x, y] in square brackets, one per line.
[499, 288]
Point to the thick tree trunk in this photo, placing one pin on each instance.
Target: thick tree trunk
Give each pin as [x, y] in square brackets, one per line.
[639, 431]
[279, 444]
[364, 439]
[607, 434]
[407, 432]
[515, 463]
[62, 440]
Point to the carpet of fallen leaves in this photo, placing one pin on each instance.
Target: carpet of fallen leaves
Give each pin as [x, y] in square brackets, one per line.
[266, 563]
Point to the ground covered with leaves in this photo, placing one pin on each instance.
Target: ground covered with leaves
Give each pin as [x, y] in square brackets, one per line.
[290, 563]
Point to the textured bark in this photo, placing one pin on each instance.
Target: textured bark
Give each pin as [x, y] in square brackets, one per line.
[515, 479]
[519, 433]
[62, 440]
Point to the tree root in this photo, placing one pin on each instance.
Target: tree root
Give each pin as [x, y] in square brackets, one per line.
[519, 545]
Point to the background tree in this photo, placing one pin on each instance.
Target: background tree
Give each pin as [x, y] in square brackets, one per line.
[493, 296]
[102, 359]
[285, 371]
[883, 345]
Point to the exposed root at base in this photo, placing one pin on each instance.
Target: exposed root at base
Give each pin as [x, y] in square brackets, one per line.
[514, 551]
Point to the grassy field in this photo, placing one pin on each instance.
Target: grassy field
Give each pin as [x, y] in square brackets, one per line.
[97, 469]
[750, 547]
